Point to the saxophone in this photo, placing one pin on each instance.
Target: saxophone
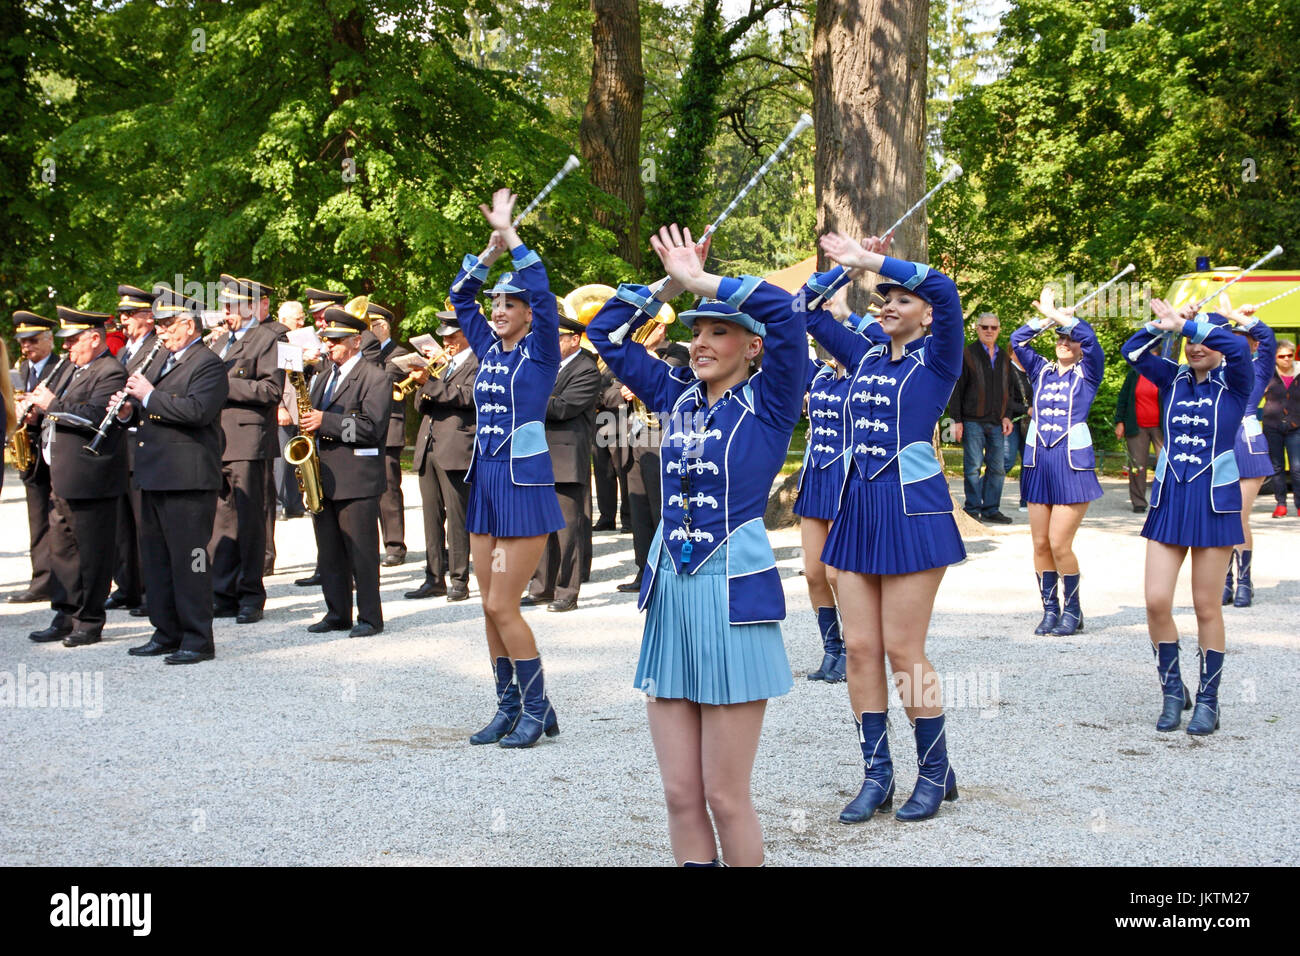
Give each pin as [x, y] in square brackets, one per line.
[300, 451]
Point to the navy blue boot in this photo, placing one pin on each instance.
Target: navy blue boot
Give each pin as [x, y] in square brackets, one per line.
[1245, 590]
[1071, 614]
[1227, 582]
[1205, 718]
[936, 781]
[837, 673]
[877, 793]
[538, 716]
[1177, 699]
[832, 643]
[1051, 604]
[508, 705]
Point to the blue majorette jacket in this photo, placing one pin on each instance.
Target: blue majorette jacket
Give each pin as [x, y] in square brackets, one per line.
[728, 454]
[1200, 418]
[1062, 397]
[894, 405]
[828, 400]
[1262, 363]
[512, 388]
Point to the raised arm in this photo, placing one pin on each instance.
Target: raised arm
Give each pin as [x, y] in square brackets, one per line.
[1029, 358]
[652, 381]
[777, 390]
[947, 328]
[1153, 366]
[464, 300]
[544, 335]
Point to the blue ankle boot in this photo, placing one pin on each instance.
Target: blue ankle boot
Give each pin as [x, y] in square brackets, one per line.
[1051, 604]
[1245, 589]
[537, 716]
[1205, 718]
[1227, 582]
[832, 643]
[877, 793]
[935, 781]
[508, 705]
[1177, 699]
[1071, 614]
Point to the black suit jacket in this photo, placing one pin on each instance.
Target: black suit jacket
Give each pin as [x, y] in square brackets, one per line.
[178, 439]
[74, 474]
[134, 364]
[255, 383]
[450, 418]
[57, 369]
[983, 388]
[571, 418]
[397, 420]
[353, 432]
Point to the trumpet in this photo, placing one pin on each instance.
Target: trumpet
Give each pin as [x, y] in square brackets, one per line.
[408, 385]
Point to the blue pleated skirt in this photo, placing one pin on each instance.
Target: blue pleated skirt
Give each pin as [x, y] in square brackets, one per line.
[820, 495]
[1184, 516]
[873, 535]
[499, 507]
[1252, 455]
[1053, 482]
[690, 652]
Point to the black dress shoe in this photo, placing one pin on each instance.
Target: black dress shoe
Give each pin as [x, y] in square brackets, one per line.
[27, 597]
[248, 615]
[308, 582]
[625, 529]
[268, 570]
[365, 630]
[141, 611]
[152, 649]
[225, 612]
[188, 657]
[629, 587]
[974, 514]
[603, 526]
[529, 600]
[393, 560]
[566, 604]
[457, 593]
[80, 639]
[51, 633]
[325, 624]
[116, 601]
[1140, 509]
[427, 589]
[997, 517]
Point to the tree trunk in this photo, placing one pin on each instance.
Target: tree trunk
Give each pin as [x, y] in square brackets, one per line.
[611, 122]
[869, 92]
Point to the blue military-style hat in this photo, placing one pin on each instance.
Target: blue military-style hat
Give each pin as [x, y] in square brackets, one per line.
[712, 309]
[508, 284]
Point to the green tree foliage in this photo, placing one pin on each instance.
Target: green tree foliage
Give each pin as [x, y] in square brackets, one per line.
[1122, 132]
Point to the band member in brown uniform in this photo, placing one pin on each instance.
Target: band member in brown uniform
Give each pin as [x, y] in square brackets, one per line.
[570, 426]
[135, 313]
[238, 547]
[351, 401]
[86, 488]
[39, 364]
[443, 448]
[392, 518]
[176, 406]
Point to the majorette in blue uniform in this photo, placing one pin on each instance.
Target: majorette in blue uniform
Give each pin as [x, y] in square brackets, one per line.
[1196, 495]
[512, 493]
[1253, 461]
[1058, 463]
[711, 590]
[895, 514]
[825, 466]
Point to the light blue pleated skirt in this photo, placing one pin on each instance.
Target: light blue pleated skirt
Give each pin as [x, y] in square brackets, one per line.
[499, 507]
[690, 652]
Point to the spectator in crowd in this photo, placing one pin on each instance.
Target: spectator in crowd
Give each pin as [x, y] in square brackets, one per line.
[979, 410]
[1020, 411]
[1137, 422]
[1281, 422]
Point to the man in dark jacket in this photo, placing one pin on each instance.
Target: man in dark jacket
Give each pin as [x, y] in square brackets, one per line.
[443, 449]
[1281, 422]
[176, 406]
[980, 420]
[1137, 422]
[570, 428]
[392, 517]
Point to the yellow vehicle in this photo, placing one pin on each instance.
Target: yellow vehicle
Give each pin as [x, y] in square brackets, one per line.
[1282, 316]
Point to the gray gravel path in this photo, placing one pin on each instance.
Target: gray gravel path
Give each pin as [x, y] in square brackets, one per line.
[293, 748]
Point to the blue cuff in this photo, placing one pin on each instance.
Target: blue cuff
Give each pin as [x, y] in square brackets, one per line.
[1070, 326]
[907, 274]
[827, 283]
[473, 268]
[734, 292]
[858, 323]
[640, 297]
[1249, 324]
[1197, 331]
[1154, 329]
[523, 257]
[1039, 323]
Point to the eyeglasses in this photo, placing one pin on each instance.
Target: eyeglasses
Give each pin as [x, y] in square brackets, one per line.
[989, 328]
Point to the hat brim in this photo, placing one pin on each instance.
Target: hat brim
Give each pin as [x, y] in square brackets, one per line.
[30, 333]
[883, 287]
[69, 333]
[515, 291]
[333, 333]
[443, 331]
[746, 322]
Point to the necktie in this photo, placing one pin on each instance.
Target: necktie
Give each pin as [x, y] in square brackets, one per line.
[230, 342]
[32, 377]
[125, 355]
[329, 387]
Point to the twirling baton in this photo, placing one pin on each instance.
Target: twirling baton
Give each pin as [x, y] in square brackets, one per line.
[948, 177]
[1271, 254]
[1086, 299]
[805, 121]
[1281, 295]
[570, 165]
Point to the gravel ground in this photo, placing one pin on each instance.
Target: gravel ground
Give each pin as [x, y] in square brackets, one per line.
[293, 748]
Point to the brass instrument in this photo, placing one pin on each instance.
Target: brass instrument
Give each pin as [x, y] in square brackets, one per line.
[20, 443]
[408, 385]
[300, 451]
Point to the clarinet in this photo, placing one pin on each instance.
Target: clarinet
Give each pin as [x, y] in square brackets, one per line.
[110, 417]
